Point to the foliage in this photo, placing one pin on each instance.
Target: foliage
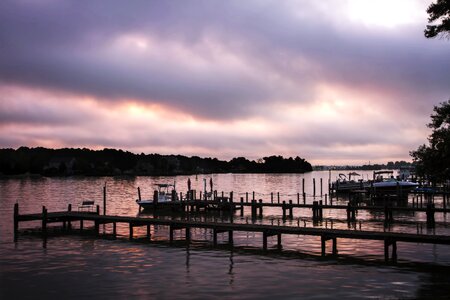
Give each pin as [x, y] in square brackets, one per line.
[438, 12]
[433, 160]
[66, 162]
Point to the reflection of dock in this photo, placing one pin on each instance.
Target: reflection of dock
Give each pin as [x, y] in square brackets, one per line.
[67, 217]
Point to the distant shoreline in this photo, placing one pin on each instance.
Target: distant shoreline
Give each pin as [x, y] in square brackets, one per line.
[111, 162]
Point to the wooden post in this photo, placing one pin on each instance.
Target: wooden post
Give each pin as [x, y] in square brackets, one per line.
[114, 229]
[320, 210]
[284, 210]
[16, 221]
[320, 187]
[260, 208]
[44, 221]
[264, 240]
[314, 187]
[139, 193]
[279, 247]
[303, 186]
[253, 198]
[69, 224]
[246, 197]
[148, 231]
[188, 234]
[215, 237]
[315, 210]
[278, 197]
[253, 209]
[335, 252]
[304, 198]
[171, 234]
[242, 206]
[230, 237]
[291, 214]
[323, 240]
[298, 198]
[104, 199]
[430, 215]
[271, 197]
[131, 231]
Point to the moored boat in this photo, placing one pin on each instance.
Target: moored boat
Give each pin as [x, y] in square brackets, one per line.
[164, 195]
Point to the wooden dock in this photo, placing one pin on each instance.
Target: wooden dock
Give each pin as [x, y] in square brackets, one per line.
[67, 217]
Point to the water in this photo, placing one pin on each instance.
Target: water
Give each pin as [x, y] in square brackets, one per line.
[79, 266]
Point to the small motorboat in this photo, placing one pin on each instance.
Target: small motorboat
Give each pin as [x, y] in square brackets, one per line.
[164, 195]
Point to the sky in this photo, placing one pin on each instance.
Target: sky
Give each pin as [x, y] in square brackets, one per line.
[335, 82]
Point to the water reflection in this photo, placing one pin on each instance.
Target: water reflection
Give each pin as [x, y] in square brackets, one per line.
[152, 269]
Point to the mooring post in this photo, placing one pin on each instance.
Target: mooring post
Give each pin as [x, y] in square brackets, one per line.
[253, 197]
[188, 234]
[284, 210]
[230, 237]
[114, 229]
[335, 252]
[314, 187]
[253, 203]
[315, 209]
[171, 234]
[264, 240]
[131, 230]
[278, 197]
[298, 198]
[303, 186]
[279, 247]
[69, 223]
[44, 221]
[104, 199]
[246, 197]
[215, 237]
[320, 210]
[271, 197]
[323, 240]
[242, 206]
[291, 214]
[260, 208]
[326, 196]
[320, 187]
[430, 215]
[148, 231]
[16, 221]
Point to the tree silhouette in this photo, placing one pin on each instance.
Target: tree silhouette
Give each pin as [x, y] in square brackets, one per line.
[433, 160]
[438, 12]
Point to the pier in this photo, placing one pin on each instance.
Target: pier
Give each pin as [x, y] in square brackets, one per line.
[66, 218]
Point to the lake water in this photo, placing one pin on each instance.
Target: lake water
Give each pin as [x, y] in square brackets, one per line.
[73, 266]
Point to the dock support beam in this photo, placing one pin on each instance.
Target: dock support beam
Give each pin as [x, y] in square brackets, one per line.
[267, 234]
[324, 239]
[44, 221]
[388, 243]
[16, 221]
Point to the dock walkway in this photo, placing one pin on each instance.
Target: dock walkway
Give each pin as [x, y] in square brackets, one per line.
[67, 217]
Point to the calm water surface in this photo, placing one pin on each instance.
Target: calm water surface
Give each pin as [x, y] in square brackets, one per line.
[80, 266]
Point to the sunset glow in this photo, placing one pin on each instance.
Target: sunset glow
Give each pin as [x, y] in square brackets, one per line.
[334, 82]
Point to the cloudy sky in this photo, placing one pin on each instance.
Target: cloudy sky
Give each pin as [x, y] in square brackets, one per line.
[335, 82]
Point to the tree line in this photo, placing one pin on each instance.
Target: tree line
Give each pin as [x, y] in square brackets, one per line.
[110, 162]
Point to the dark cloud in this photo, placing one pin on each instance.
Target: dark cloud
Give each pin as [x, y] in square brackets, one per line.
[56, 44]
[216, 60]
